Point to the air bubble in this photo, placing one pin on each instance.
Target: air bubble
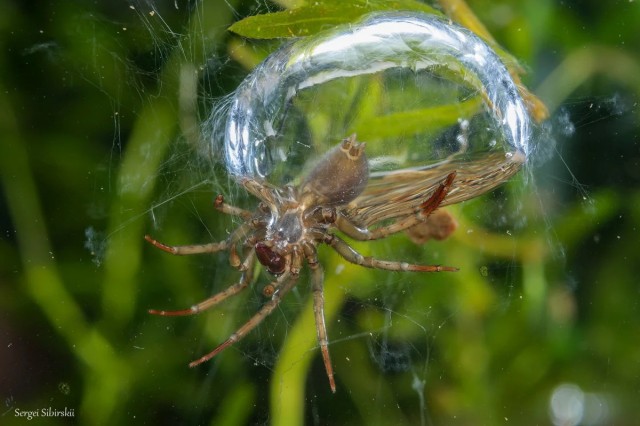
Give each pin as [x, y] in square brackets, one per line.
[408, 84]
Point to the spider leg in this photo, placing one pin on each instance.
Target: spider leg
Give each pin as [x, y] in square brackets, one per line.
[317, 288]
[229, 243]
[317, 281]
[286, 282]
[229, 209]
[420, 215]
[351, 255]
[234, 257]
[317, 278]
[232, 290]
[190, 249]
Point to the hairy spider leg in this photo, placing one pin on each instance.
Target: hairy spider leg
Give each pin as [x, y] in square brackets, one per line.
[188, 249]
[234, 257]
[232, 290]
[220, 205]
[240, 232]
[286, 282]
[317, 288]
[230, 243]
[422, 212]
[317, 280]
[351, 255]
[246, 266]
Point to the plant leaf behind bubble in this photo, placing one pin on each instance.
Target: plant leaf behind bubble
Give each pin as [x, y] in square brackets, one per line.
[321, 15]
[417, 120]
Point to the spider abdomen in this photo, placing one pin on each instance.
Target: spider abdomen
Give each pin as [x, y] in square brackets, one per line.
[340, 176]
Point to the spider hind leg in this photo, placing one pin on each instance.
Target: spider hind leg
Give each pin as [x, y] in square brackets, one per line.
[285, 283]
[353, 256]
[317, 278]
[419, 215]
[212, 301]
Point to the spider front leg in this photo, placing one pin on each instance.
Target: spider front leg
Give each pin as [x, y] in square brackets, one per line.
[188, 249]
[351, 255]
[229, 209]
[420, 216]
[235, 236]
[228, 244]
[240, 232]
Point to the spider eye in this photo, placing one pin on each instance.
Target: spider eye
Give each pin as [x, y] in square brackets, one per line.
[270, 259]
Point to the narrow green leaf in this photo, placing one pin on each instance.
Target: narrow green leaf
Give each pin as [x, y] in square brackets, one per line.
[430, 119]
[294, 23]
[321, 15]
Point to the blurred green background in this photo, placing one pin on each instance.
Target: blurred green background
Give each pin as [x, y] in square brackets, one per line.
[99, 107]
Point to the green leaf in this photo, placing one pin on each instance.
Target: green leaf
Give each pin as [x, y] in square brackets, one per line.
[321, 15]
[415, 121]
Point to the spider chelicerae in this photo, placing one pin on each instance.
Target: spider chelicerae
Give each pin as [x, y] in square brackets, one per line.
[291, 222]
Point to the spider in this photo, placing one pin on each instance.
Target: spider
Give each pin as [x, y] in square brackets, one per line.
[291, 222]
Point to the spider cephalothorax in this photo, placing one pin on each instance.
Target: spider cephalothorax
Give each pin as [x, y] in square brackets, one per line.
[291, 222]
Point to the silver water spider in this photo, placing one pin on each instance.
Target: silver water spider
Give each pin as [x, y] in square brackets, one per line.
[291, 222]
